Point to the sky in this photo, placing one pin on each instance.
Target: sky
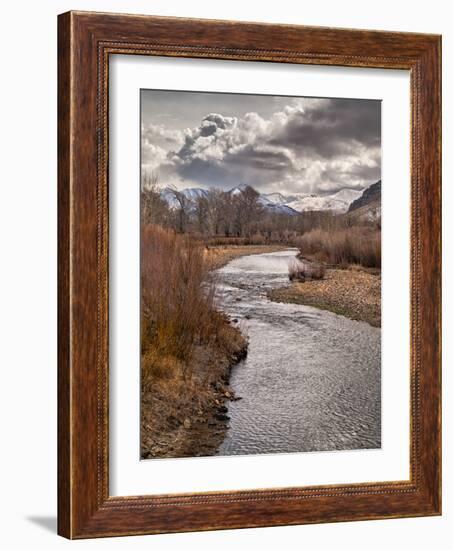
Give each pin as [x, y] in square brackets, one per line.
[273, 143]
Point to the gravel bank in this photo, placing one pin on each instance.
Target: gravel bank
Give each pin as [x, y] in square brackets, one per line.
[351, 292]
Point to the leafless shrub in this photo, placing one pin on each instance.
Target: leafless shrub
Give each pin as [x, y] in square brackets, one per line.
[153, 208]
[178, 311]
[302, 271]
[255, 239]
[353, 245]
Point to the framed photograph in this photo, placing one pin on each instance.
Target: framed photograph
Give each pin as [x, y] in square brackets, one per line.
[249, 275]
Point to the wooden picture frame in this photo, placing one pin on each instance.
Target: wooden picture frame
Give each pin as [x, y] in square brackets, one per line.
[85, 42]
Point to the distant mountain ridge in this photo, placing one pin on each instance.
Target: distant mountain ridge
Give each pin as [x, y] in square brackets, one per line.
[339, 202]
[369, 195]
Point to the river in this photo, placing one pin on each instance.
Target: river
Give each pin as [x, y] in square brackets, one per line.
[311, 380]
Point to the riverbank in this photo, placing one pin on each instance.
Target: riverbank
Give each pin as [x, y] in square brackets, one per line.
[184, 413]
[352, 292]
[184, 404]
[310, 381]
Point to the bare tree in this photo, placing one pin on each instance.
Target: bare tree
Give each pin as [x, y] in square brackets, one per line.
[182, 209]
[153, 208]
[216, 211]
[201, 214]
[247, 211]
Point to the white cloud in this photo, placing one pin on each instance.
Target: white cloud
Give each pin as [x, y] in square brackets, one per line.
[312, 145]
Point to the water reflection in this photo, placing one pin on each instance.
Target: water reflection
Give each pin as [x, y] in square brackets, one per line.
[311, 380]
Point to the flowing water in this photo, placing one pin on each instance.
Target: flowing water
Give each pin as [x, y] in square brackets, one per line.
[311, 379]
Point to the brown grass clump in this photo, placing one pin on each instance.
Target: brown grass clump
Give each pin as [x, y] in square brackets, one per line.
[352, 245]
[177, 302]
[187, 349]
[303, 271]
[221, 240]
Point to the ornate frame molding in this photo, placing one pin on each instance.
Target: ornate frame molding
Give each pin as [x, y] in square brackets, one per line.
[86, 40]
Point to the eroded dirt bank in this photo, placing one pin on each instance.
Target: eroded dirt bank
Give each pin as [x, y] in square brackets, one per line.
[185, 415]
[184, 412]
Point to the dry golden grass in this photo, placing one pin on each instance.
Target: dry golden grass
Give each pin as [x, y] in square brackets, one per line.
[303, 271]
[187, 348]
[177, 301]
[351, 245]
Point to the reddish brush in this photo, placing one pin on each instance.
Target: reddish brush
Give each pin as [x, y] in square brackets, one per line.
[302, 271]
[178, 312]
[352, 245]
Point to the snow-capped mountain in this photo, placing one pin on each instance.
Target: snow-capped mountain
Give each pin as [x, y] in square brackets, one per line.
[279, 203]
[338, 202]
[193, 193]
[303, 202]
[279, 198]
[265, 201]
[168, 196]
[348, 195]
[277, 208]
[238, 189]
[370, 195]
[274, 206]
[367, 206]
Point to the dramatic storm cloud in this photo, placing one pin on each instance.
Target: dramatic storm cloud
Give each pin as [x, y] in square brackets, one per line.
[272, 143]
